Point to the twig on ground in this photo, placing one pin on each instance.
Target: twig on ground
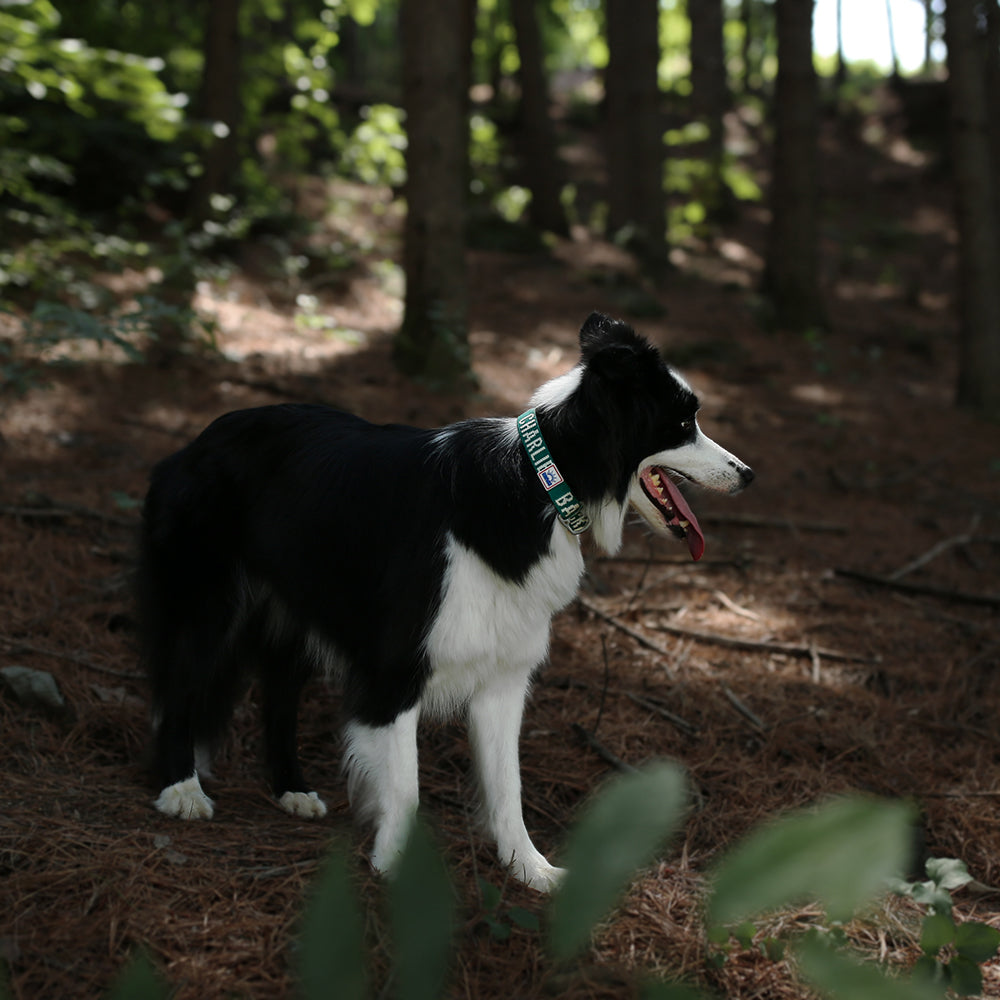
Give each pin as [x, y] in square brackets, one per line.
[628, 630]
[762, 645]
[62, 512]
[601, 750]
[944, 593]
[935, 550]
[16, 646]
[742, 709]
[787, 523]
[682, 724]
[736, 609]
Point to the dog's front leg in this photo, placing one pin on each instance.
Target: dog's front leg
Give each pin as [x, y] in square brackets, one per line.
[381, 764]
[494, 728]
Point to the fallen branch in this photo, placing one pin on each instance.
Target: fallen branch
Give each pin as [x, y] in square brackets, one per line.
[601, 750]
[763, 645]
[743, 710]
[927, 589]
[651, 706]
[628, 630]
[63, 512]
[789, 524]
[15, 646]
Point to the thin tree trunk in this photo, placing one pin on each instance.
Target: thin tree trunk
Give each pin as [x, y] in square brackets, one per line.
[539, 155]
[635, 150]
[976, 209]
[710, 95]
[432, 343]
[791, 277]
[220, 102]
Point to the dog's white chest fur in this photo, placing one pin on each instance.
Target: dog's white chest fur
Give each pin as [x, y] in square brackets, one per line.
[487, 625]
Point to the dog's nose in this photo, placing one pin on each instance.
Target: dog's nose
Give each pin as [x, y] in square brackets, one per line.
[746, 475]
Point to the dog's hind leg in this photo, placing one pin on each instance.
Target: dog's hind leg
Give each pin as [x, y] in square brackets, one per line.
[382, 782]
[285, 668]
[495, 713]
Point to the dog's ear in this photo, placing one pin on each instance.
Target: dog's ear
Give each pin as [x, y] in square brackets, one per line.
[610, 347]
[594, 333]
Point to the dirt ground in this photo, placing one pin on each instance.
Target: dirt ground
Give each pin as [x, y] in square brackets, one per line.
[863, 466]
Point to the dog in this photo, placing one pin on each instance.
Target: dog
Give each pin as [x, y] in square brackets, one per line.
[420, 568]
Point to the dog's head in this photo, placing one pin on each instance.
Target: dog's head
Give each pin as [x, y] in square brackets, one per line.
[639, 417]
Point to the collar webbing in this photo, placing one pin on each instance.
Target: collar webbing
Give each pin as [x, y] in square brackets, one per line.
[567, 506]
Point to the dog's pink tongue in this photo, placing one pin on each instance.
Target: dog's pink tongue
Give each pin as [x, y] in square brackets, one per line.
[692, 533]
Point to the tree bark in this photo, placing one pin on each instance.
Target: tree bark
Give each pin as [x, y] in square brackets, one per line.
[710, 96]
[791, 279]
[976, 209]
[220, 102]
[432, 343]
[635, 151]
[539, 155]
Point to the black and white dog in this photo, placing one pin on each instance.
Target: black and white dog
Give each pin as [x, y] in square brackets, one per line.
[421, 568]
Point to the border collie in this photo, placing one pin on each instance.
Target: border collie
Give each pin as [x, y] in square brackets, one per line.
[421, 568]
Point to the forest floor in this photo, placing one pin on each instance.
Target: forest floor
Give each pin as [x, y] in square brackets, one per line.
[863, 465]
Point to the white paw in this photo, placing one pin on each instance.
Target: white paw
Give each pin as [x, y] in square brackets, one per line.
[306, 805]
[185, 800]
[543, 877]
[533, 870]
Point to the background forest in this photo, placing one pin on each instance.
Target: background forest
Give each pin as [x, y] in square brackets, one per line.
[406, 208]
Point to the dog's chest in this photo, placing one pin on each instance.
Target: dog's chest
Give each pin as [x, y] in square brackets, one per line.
[487, 626]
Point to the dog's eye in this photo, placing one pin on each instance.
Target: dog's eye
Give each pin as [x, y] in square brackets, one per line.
[687, 425]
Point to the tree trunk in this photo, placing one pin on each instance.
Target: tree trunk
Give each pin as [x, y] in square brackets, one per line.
[220, 102]
[636, 202]
[710, 96]
[432, 343]
[791, 269]
[539, 155]
[975, 208]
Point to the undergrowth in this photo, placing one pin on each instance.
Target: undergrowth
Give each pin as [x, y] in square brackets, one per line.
[841, 854]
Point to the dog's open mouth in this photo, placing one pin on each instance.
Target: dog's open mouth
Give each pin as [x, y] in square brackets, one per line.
[673, 508]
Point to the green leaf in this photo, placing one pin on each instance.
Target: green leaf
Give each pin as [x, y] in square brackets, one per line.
[744, 934]
[489, 894]
[670, 991]
[718, 934]
[773, 948]
[839, 977]
[421, 914]
[139, 981]
[930, 971]
[948, 873]
[330, 957]
[619, 832]
[524, 919]
[977, 942]
[841, 853]
[964, 977]
[938, 930]
[932, 895]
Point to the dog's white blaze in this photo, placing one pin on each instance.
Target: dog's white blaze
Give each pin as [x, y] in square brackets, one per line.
[488, 626]
[703, 462]
[185, 800]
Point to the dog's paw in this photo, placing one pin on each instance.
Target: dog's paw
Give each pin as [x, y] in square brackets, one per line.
[185, 800]
[305, 805]
[533, 870]
[543, 877]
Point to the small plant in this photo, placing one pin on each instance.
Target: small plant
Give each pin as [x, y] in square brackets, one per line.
[952, 953]
[841, 853]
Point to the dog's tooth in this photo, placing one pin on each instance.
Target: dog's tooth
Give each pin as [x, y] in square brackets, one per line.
[684, 524]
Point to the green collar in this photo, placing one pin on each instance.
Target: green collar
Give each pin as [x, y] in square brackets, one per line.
[568, 508]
